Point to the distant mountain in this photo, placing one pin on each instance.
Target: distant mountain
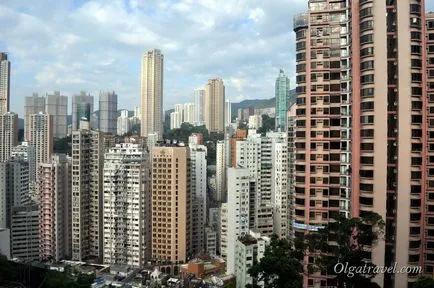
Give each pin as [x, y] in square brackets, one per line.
[260, 103]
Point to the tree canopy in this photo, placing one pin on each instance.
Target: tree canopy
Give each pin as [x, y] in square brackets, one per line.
[343, 240]
[424, 282]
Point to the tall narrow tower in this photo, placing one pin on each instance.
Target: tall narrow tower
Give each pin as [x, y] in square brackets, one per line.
[215, 105]
[5, 80]
[152, 93]
[282, 100]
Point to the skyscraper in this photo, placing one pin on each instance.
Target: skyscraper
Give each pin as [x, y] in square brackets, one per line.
[41, 136]
[199, 106]
[215, 105]
[108, 110]
[375, 152]
[198, 196]
[220, 177]
[5, 82]
[282, 100]
[54, 183]
[32, 105]
[26, 152]
[82, 106]
[8, 134]
[127, 205]
[171, 198]
[228, 113]
[123, 123]
[87, 164]
[152, 93]
[57, 106]
[188, 113]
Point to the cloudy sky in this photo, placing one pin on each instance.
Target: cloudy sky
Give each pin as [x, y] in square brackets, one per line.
[74, 45]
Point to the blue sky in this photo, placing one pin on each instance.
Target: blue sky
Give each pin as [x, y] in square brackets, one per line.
[74, 45]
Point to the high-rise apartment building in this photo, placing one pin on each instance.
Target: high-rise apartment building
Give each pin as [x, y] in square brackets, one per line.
[228, 113]
[41, 136]
[127, 207]
[198, 196]
[220, 172]
[152, 93]
[199, 106]
[34, 104]
[56, 105]
[108, 110]
[25, 233]
[175, 120]
[26, 152]
[82, 106]
[370, 55]
[237, 215]
[171, 204]
[87, 182]
[215, 105]
[54, 183]
[8, 134]
[5, 83]
[282, 100]
[123, 123]
[188, 116]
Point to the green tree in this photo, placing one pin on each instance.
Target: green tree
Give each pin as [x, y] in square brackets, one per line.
[424, 282]
[280, 267]
[268, 124]
[345, 240]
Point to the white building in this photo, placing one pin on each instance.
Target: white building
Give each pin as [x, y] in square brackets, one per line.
[249, 251]
[126, 205]
[8, 134]
[175, 120]
[223, 230]
[228, 113]
[188, 116]
[266, 159]
[220, 172]
[123, 124]
[41, 136]
[255, 122]
[26, 152]
[199, 107]
[210, 241]
[237, 212]
[198, 192]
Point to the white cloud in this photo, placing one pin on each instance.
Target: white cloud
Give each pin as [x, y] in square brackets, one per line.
[97, 45]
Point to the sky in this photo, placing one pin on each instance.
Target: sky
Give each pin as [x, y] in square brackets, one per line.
[78, 45]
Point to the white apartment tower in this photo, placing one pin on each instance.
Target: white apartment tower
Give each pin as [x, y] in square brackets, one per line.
[221, 172]
[87, 164]
[41, 136]
[26, 152]
[237, 212]
[152, 93]
[198, 194]
[228, 113]
[127, 207]
[199, 106]
[5, 83]
[57, 106]
[123, 123]
[54, 181]
[8, 134]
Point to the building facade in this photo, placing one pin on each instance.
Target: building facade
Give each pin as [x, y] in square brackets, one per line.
[215, 105]
[41, 136]
[108, 110]
[56, 105]
[171, 204]
[199, 106]
[8, 134]
[220, 172]
[82, 106]
[152, 93]
[282, 99]
[87, 164]
[5, 83]
[34, 104]
[25, 233]
[127, 207]
[54, 183]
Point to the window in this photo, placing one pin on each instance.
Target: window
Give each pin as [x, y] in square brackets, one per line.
[367, 65]
[367, 79]
[365, 12]
[366, 25]
[367, 119]
[367, 52]
[366, 39]
[367, 133]
[367, 146]
[416, 49]
[416, 35]
[367, 106]
[366, 173]
[366, 92]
